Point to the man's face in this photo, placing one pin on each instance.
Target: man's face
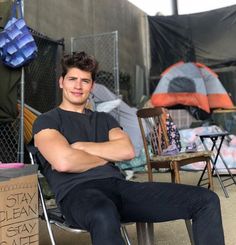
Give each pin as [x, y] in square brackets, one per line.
[76, 86]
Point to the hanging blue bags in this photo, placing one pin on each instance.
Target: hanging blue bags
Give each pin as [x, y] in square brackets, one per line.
[17, 45]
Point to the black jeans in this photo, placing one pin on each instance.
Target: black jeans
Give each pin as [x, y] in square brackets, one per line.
[98, 206]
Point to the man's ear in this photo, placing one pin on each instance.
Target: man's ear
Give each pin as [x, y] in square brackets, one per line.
[61, 82]
[93, 85]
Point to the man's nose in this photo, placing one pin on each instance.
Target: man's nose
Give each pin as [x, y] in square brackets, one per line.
[78, 84]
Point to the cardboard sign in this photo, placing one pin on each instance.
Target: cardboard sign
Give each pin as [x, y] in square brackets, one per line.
[19, 211]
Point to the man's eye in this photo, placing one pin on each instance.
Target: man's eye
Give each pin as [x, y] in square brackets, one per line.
[71, 79]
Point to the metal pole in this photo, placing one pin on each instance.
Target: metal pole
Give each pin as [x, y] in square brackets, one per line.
[72, 41]
[147, 56]
[22, 94]
[116, 68]
[174, 7]
[116, 54]
[21, 148]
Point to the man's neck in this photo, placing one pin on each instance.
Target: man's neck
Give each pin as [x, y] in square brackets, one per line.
[73, 108]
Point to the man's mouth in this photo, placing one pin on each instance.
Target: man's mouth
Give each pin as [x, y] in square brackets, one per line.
[77, 93]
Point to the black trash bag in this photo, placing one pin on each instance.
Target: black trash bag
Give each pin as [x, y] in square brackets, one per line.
[198, 113]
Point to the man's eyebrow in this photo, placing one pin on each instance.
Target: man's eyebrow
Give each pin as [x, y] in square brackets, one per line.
[72, 77]
[86, 79]
[83, 79]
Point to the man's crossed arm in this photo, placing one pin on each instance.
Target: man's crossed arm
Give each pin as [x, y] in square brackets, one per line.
[82, 156]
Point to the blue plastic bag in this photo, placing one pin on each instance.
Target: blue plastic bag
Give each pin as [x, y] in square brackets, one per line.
[17, 45]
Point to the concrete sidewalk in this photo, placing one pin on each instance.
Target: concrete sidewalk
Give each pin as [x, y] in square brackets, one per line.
[167, 233]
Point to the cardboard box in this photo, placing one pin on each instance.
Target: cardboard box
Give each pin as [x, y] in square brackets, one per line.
[19, 206]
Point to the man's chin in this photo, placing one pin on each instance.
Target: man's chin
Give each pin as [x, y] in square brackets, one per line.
[79, 103]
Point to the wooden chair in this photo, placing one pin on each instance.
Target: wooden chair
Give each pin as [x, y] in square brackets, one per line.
[151, 123]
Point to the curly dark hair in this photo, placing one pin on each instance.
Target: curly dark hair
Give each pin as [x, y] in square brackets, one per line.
[79, 60]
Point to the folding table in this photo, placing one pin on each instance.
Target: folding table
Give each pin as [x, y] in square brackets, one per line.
[217, 137]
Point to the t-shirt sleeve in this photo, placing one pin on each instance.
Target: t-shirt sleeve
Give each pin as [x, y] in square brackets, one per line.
[44, 121]
[111, 122]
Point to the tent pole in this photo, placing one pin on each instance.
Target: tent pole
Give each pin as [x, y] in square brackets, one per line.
[22, 94]
[174, 4]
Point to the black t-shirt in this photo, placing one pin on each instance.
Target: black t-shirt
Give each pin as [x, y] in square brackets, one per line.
[88, 127]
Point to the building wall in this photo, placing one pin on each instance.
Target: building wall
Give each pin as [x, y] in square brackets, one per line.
[73, 18]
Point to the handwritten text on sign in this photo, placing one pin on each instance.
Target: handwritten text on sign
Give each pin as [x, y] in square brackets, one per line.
[19, 213]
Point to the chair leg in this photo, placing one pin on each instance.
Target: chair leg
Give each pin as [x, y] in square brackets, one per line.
[189, 229]
[145, 233]
[176, 172]
[125, 235]
[177, 180]
[209, 172]
[172, 175]
[49, 227]
[150, 177]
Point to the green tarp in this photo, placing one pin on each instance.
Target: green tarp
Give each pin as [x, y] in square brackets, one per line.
[9, 78]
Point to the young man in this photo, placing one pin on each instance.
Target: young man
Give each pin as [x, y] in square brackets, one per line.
[79, 146]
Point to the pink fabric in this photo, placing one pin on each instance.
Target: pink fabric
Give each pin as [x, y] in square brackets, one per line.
[11, 165]
[228, 149]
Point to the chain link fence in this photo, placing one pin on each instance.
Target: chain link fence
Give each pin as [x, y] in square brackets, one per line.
[41, 76]
[104, 47]
[40, 90]
[9, 138]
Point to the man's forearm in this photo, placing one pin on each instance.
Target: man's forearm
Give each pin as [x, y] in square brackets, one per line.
[114, 150]
[62, 156]
[80, 161]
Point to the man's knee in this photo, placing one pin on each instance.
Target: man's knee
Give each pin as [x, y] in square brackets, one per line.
[212, 199]
[209, 204]
[105, 215]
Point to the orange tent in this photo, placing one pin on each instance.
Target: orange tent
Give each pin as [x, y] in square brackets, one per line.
[191, 84]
